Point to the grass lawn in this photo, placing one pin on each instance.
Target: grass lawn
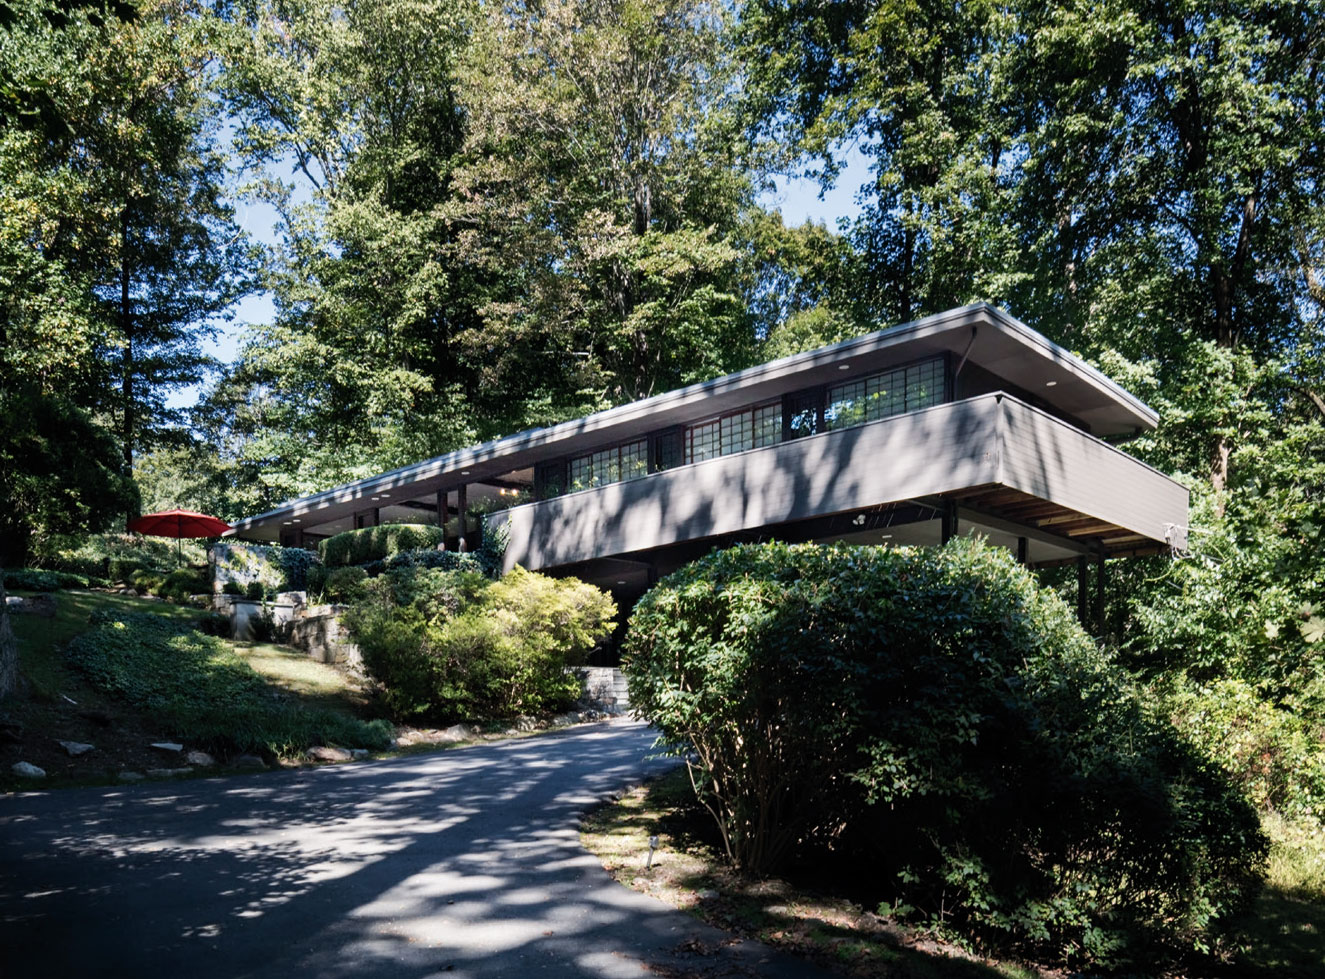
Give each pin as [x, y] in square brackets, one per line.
[290, 692]
[1285, 933]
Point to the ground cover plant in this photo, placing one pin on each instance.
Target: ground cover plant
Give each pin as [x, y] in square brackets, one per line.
[933, 715]
[454, 644]
[200, 690]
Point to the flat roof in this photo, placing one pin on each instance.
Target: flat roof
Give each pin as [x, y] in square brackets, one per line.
[980, 334]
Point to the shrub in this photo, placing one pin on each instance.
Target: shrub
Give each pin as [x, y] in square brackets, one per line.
[452, 644]
[376, 543]
[345, 586]
[179, 584]
[201, 691]
[232, 588]
[1270, 752]
[31, 579]
[147, 582]
[254, 590]
[932, 715]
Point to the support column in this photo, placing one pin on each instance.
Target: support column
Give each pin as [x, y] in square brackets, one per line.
[1083, 593]
[1099, 593]
[1022, 548]
[462, 504]
[949, 518]
[441, 513]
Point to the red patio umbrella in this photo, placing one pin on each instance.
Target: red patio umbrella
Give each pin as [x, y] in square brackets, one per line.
[178, 524]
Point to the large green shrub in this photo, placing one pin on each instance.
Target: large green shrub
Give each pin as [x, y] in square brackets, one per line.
[454, 644]
[377, 543]
[1271, 751]
[934, 717]
[199, 690]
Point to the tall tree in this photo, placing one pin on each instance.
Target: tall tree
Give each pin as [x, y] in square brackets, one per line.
[602, 166]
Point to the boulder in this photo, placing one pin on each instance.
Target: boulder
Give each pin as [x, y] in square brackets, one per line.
[323, 753]
[131, 776]
[170, 747]
[25, 769]
[200, 759]
[75, 748]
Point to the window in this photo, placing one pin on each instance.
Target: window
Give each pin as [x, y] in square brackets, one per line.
[610, 465]
[752, 428]
[888, 393]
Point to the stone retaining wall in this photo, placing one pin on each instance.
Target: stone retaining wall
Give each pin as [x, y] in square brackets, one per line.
[318, 632]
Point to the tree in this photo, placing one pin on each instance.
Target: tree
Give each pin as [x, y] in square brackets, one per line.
[115, 245]
[601, 166]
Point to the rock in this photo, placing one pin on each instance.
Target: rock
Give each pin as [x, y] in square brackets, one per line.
[75, 748]
[27, 770]
[131, 776]
[458, 732]
[168, 746]
[357, 753]
[40, 605]
[524, 724]
[200, 758]
[248, 761]
[707, 895]
[323, 753]
[168, 772]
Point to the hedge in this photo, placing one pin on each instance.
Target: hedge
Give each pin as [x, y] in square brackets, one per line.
[377, 543]
[942, 727]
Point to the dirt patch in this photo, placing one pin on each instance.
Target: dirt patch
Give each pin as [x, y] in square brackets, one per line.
[687, 872]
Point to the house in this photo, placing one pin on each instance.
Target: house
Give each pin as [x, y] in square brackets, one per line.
[963, 422]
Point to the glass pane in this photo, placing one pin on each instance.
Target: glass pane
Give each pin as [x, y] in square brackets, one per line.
[768, 425]
[736, 433]
[846, 405]
[705, 442]
[635, 460]
[924, 385]
[670, 450]
[581, 473]
[804, 414]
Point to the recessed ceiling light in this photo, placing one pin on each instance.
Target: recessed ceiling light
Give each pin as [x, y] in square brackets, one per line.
[376, 497]
[298, 520]
[1050, 384]
[464, 472]
[885, 537]
[622, 581]
[844, 367]
[287, 523]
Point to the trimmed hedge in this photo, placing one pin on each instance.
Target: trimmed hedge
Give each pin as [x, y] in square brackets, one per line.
[942, 726]
[377, 543]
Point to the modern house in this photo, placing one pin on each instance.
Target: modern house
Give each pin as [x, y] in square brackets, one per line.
[966, 422]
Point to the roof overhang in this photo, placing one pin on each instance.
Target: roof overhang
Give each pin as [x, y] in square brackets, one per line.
[978, 334]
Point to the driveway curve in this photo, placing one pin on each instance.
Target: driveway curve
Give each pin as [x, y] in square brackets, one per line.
[462, 863]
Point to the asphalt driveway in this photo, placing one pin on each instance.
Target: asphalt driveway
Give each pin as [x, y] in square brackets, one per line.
[461, 863]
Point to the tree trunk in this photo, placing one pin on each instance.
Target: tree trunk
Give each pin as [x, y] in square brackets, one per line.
[8, 649]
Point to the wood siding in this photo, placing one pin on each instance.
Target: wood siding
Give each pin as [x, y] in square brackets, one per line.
[986, 440]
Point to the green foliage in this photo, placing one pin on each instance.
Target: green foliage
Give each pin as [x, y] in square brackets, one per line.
[454, 644]
[202, 692]
[232, 588]
[276, 568]
[179, 584]
[255, 590]
[933, 715]
[376, 543]
[1271, 752]
[147, 581]
[59, 473]
[344, 586]
[32, 579]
